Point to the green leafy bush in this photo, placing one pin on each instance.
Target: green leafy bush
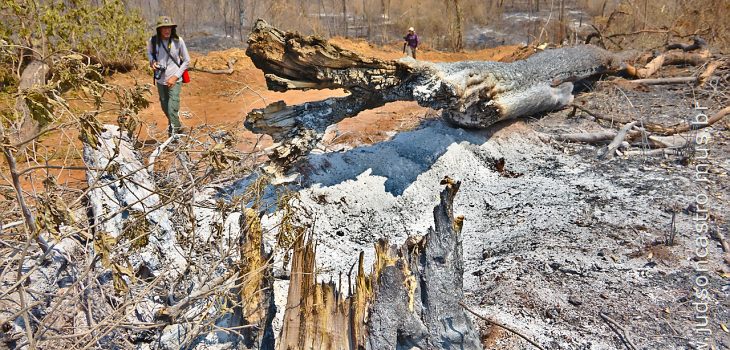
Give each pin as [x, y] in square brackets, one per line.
[106, 31]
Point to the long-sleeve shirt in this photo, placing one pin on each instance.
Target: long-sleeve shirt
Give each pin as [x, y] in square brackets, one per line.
[179, 53]
[412, 40]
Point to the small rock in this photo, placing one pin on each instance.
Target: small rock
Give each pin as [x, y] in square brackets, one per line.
[573, 300]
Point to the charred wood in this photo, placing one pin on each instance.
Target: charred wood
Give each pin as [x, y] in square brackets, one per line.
[411, 299]
[471, 94]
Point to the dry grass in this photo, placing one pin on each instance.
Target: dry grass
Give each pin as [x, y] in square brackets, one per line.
[643, 24]
[385, 21]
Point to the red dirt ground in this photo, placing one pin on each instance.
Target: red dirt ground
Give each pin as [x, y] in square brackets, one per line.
[217, 101]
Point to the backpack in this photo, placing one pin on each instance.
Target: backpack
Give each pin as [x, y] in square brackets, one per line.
[185, 75]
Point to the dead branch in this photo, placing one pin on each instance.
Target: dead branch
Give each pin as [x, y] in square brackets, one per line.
[705, 76]
[171, 313]
[608, 152]
[665, 81]
[597, 115]
[30, 224]
[672, 141]
[619, 330]
[720, 237]
[643, 31]
[697, 43]
[592, 137]
[653, 152]
[156, 153]
[500, 325]
[669, 58]
[651, 127]
[690, 126]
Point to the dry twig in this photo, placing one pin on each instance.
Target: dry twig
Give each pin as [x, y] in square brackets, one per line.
[619, 330]
[509, 329]
[609, 151]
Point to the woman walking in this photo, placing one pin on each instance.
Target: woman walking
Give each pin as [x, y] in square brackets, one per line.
[168, 57]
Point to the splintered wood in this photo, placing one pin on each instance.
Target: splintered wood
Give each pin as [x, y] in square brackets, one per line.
[403, 302]
[256, 284]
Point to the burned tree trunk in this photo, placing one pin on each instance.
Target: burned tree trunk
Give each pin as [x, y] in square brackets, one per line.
[471, 94]
[411, 299]
[257, 308]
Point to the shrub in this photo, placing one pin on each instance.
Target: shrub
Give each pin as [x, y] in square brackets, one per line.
[105, 31]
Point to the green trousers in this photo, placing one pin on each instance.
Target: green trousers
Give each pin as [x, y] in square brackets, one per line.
[170, 102]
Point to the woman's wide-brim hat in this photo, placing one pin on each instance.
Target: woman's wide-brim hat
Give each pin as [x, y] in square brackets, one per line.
[165, 21]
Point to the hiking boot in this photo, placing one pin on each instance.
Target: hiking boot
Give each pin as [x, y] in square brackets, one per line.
[178, 131]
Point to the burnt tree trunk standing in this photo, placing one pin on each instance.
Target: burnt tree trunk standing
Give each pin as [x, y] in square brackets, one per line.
[411, 299]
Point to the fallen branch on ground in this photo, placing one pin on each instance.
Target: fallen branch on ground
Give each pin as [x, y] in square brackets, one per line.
[500, 325]
[667, 59]
[689, 126]
[587, 137]
[665, 81]
[705, 76]
[619, 330]
[652, 127]
[697, 43]
[156, 153]
[610, 150]
[720, 237]
[653, 152]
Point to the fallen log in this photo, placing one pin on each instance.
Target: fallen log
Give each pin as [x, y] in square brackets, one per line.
[471, 94]
[411, 299]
